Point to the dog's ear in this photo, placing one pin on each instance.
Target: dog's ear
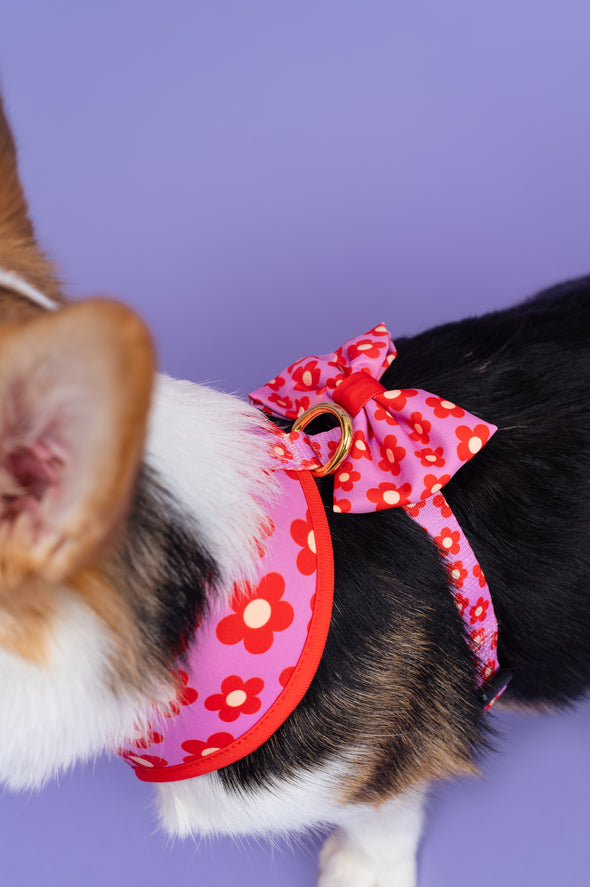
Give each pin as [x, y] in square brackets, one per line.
[14, 218]
[19, 251]
[75, 389]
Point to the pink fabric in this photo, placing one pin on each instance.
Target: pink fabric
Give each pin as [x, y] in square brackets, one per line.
[246, 654]
[407, 445]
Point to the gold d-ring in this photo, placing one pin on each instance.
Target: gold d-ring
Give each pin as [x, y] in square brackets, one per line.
[343, 448]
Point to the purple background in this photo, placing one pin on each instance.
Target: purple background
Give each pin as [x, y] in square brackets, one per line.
[262, 180]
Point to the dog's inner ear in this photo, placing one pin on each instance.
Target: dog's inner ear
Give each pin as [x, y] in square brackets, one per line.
[75, 388]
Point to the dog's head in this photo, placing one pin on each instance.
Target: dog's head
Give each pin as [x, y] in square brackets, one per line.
[105, 563]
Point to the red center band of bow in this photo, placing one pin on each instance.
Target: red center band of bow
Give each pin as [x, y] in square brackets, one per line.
[407, 443]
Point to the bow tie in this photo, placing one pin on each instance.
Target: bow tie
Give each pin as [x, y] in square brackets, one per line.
[406, 443]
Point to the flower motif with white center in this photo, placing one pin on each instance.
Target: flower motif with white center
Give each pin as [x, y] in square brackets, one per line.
[448, 540]
[198, 749]
[237, 697]
[458, 573]
[258, 614]
[387, 495]
[392, 455]
[444, 408]
[346, 477]
[307, 376]
[279, 450]
[144, 760]
[471, 440]
[395, 400]
[285, 403]
[420, 428]
[302, 533]
[366, 347]
[360, 448]
[479, 611]
[430, 458]
[433, 484]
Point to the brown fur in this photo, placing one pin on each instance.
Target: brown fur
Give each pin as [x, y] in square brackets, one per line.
[114, 355]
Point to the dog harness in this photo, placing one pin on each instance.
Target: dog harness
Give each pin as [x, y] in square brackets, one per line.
[252, 660]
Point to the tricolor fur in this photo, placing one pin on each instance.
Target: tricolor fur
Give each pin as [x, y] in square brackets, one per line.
[114, 532]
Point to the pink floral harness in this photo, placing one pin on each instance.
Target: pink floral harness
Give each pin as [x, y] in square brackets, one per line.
[252, 661]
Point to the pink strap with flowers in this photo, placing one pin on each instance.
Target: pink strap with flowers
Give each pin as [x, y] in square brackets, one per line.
[407, 444]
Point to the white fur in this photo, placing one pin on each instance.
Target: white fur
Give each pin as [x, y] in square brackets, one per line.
[63, 711]
[209, 449]
[372, 847]
[376, 846]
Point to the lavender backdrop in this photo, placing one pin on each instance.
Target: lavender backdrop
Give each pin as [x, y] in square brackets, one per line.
[262, 180]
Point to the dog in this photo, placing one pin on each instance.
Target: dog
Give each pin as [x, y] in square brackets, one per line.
[136, 507]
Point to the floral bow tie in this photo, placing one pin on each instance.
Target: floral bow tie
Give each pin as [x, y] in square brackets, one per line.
[407, 443]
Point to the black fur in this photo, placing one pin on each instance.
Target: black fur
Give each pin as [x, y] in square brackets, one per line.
[523, 504]
[165, 570]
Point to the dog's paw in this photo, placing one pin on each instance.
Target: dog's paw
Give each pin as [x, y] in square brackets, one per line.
[344, 864]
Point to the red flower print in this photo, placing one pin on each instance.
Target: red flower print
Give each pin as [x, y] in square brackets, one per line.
[185, 695]
[414, 508]
[396, 399]
[302, 533]
[149, 738]
[285, 675]
[258, 614]
[391, 455]
[458, 573]
[433, 484]
[380, 330]
[284, 403]
[346, 477]
[237, 698]
[279, 450]
[494, 640]
[488, 669]
[275, 383]
[144, 760]
[444, 408]
[387, 495]
[335, 381]
[477, 637]
[461, 602]
[440, 502]
[448, 541]
[300, 406]
[198, 749]
[306, 377]
[420, 428]
[479, 611]
[367, 348]
[471, 442]
[431, 458]
[382, 414]
[359, 449]
[265, 529]
[478, 573]
[341, 506]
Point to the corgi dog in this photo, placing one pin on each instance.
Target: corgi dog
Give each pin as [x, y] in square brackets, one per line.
[137, 508]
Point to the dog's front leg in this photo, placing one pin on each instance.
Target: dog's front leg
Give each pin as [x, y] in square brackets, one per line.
[375, 846]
